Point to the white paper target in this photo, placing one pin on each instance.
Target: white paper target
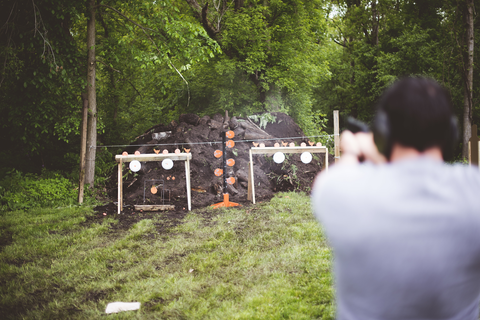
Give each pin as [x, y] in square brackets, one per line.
[306, 157]
[167, 164]
[135, 165]
[278, 157]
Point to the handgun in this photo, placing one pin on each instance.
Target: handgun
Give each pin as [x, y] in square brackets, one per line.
[355, 125]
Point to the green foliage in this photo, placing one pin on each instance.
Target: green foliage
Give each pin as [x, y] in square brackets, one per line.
[376, 42]
[159, 59]
[27, 191]
[272, 59]
[263, 119]
[41, 80]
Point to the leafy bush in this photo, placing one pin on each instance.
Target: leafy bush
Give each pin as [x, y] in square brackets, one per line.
[264, 119]
[24, 191]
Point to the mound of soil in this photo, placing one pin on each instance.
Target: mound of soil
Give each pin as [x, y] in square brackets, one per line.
[201, 137]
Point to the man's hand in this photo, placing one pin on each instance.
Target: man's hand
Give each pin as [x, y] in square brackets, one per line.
[359, 147]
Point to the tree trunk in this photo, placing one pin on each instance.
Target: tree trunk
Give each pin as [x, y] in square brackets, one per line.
[467, 98]
[92, 98]
[83, 148]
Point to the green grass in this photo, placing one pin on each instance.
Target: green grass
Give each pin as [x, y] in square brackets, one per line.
[266, 261]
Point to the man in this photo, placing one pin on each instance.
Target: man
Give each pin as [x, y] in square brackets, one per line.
[404, 226]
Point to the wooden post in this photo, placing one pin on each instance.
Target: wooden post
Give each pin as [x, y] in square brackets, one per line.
[473, 146]
[120, 187]
[187, 175]
[336, 135]
[325, 164]
[249, 190]
[251, 183]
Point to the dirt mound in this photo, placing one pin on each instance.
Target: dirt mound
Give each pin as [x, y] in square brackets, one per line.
[201, 137]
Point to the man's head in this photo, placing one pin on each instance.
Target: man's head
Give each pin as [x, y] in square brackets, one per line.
[415, 112]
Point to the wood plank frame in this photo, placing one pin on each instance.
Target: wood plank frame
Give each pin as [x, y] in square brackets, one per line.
[153, 157]
[273, 150]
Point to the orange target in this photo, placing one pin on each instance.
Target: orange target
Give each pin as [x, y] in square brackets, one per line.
[230, 162]
[231, 180]
[218, 153]
[218, 172]
[230, 143]
[230, 134]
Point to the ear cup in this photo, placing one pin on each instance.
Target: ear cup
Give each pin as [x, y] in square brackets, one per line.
[381, 133]
[451, 139]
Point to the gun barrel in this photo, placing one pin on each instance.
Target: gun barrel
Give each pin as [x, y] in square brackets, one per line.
[355, 125]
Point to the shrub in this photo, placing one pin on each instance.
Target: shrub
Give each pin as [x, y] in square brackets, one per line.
[24, 191]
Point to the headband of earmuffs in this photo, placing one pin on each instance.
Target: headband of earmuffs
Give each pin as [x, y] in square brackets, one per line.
[382, 136]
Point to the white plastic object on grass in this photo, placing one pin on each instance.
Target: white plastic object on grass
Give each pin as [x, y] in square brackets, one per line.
[115, 307]
[135, 165]
[167, 164]
[306, 157]
[278, 157]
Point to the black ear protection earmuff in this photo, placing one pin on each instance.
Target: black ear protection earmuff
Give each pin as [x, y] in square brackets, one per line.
[451, 139]
[381, 133]
[382, 136]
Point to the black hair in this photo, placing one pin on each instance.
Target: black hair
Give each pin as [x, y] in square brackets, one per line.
[415, 112]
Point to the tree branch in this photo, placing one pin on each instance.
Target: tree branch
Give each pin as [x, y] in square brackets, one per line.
[153, 42]
[341, 44]
[173, 66]
[201, 15]
[8, 19]
[108, 66]
[115, 10]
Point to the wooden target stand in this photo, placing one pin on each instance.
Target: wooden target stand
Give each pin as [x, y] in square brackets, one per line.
[273, 150]
[153, 157]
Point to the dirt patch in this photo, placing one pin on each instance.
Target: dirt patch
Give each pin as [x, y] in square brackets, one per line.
[129, 217]
[202, 137]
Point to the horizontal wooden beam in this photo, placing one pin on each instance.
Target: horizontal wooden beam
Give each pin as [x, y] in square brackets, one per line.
[259, 150]
[153, 157]
[154, 207]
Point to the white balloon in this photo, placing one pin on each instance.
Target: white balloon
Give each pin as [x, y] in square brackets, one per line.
[278, 157]
[306, 157]
[135, 165]
[167, 164]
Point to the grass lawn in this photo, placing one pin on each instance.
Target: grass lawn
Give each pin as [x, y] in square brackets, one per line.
[265, 261]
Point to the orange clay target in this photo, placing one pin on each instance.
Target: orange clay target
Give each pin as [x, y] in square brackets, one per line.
[230, 143]
[153, 190]
[230, 134]
[218, 172]
[230, 162]
[218, 153]
[231, 180]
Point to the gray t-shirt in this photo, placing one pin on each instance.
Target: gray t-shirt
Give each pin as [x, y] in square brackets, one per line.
[406, 239]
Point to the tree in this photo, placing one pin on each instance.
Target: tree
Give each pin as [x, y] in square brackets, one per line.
[39, 83]
[414, 38]
[468, 76]
[155, 32]
[272, 55]
[91, 97]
